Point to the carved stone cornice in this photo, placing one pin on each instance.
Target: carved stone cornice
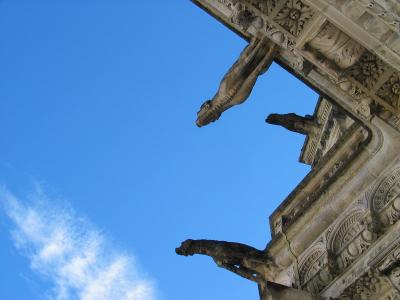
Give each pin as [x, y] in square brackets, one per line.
[316, 182]
[302, 29]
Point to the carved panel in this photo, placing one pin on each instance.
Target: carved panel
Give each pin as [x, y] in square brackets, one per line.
[293, 16]
[386, 199]
[351, 239]
[334, 48]
[390, 90]
[314, 271]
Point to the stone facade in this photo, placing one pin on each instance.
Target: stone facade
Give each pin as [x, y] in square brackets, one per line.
[337, 235]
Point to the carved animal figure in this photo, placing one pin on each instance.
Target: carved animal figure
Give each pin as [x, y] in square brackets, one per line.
[245, 261]
[304, 125]
[238, 83]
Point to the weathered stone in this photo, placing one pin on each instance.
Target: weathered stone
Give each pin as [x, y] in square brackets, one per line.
[336, 235]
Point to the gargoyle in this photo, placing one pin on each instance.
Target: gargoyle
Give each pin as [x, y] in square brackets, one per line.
[238, 83]
[245, 261]
[304, 125]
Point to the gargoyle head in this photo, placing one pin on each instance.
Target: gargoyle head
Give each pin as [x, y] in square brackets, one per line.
[209, 112]
[186, 248]
[273, 119]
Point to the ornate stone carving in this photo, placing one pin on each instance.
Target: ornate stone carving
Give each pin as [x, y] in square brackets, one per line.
[264, 6]
[240, 259]
[244, 16]
[391, 260]
[352, 238]
[293, 16]
[334, 49]
[238, 83]
[368, 70]
[279, 37]
[386, 199]
[367, 287]
[392, 295]
[314, 271]
[390, 90]
[394, 277]
[362, 103]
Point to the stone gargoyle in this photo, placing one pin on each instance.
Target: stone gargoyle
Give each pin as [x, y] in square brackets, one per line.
[239, 81]
[243, 260]
[304, 125]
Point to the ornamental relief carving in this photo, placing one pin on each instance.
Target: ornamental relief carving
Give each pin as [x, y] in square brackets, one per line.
[370, 286]
[394, 277]
[310, 38]
[264, 6]
[334, 49]
[314, 271]
[351, 239]
[368, 70]
[392, 295]
[293, 16]
[392, 260]
[390, 90]
[386, 199]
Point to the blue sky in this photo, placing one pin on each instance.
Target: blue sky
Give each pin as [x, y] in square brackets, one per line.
[98, 101]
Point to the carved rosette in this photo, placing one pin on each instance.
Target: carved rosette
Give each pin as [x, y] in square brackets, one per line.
[293, 16]
[367, 70]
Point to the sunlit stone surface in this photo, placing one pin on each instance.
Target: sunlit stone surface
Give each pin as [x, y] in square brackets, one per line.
[337, 235]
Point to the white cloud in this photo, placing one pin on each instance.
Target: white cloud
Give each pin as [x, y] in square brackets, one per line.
[71, 253]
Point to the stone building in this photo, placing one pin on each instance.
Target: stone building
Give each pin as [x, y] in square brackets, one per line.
[337, 235]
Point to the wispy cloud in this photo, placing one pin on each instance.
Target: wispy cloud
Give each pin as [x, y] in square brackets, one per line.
[72, 253]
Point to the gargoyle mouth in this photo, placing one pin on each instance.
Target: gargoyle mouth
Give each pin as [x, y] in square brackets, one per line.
[272, 119]
[209, 112]
[184, 248]
[207, 118]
